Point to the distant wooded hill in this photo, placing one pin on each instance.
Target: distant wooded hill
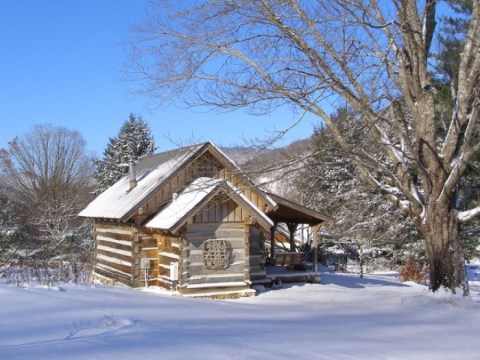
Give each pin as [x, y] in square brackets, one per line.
[259, 157]
[272, 168]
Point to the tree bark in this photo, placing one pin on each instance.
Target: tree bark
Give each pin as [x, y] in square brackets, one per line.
[441, 231]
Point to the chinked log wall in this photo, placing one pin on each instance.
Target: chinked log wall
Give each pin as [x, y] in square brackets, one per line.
[147, 249]
[168, 249]
[114, 258]
[257, 255]
[197, 279]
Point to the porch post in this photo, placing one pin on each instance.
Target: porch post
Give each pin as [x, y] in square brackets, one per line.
[315, 229]
[272, 240]
[292, 227]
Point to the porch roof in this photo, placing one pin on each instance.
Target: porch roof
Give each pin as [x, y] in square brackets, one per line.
[290, 212]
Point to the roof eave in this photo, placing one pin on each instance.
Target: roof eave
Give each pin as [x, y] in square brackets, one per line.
[312, 217]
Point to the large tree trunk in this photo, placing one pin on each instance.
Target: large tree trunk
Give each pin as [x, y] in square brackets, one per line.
[440, 228]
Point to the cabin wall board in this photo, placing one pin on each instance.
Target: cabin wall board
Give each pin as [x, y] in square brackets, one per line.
[221, 209]
[199, 268]
[219, 292]
[215, 280]
[205, 165]
[247, 190]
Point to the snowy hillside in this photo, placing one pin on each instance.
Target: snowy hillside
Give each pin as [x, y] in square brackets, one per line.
[345, 317]
[272, 168]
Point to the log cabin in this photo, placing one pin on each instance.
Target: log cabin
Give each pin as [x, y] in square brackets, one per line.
[189, 221]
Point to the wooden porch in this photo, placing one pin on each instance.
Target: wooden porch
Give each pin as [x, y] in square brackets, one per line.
[277, 275]
[292, 215]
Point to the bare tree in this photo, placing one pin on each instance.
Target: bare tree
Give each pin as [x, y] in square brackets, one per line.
[47, 174]
[372, 55]
[47, 165]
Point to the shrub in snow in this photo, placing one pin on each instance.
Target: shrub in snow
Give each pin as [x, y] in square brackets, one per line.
[413, 270]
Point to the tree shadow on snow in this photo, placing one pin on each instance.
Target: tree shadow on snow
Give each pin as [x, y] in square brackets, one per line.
[354, 281]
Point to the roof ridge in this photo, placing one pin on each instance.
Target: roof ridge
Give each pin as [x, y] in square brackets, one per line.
[199, 145]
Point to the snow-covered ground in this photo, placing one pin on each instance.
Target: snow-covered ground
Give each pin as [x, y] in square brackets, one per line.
[345, 317]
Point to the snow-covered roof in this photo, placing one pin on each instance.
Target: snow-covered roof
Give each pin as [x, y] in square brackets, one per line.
[191, 199]
[119, 201]
[183, 204]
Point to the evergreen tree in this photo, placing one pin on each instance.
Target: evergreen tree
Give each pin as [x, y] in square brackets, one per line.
[451, 43]
[330, 183]
[133, 143]
[10, 228]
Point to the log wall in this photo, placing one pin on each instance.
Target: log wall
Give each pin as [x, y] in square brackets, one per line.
[120, 247]
[119, 250]
[197, 279]
[257, 254]
[114, 253]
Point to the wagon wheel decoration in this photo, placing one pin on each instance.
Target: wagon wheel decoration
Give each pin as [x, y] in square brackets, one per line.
[217, 254]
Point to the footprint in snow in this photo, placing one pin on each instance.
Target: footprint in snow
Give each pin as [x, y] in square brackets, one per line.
[108, 324]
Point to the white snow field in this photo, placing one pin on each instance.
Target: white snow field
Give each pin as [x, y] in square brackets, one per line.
[344, 317]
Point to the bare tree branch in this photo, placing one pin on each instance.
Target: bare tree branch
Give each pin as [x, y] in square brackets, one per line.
[261, 54]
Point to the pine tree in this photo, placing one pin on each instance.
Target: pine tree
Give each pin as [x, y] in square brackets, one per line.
[10, 229]
[133, 142]
[451, 43]
[330, 183]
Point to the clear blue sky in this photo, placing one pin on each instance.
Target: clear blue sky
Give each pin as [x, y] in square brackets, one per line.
[60, 63]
